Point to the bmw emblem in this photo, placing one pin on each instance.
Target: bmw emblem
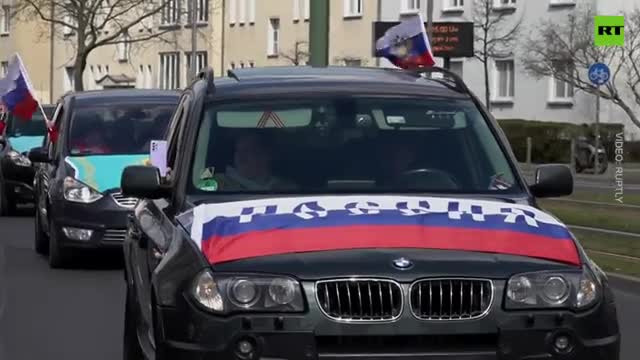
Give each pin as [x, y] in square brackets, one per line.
[402, 263]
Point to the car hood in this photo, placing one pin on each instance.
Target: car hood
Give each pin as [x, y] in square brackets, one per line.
[23, 144]
[227, 232]
[103, 172]
[381, 263]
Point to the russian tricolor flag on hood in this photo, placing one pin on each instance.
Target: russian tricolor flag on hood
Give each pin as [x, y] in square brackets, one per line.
[16, 92]
[406, 45]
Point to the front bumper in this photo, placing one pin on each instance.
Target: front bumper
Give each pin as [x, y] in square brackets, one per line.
[106, 220]
[187, 332]
[18, 181]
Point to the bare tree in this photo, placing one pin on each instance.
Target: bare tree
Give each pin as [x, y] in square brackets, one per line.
[496, 33]
[91, 24]
[566, 50]
[299, 54]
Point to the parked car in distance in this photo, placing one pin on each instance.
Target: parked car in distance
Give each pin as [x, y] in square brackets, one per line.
[94, 136]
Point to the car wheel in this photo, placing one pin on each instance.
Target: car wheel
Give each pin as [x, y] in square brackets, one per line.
[131, 345]
[41, 238]
[58, 256]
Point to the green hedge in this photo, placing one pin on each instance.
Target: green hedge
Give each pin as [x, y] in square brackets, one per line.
[552, 140]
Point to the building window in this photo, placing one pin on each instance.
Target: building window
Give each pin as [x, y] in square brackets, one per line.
[149, 78]
[69, 83]
[170, 13]
[202, 11]
[457, 68]
[410, 6]
[70, 21]
[251, 6]
[500, 4]
[561, 91]
[232, 65]
[307, 9]
[4, 68]
[5, 20]
[274, 37]
[233, 11]
[353, 62]
[241, 64]
[352, 8]
[202, 61]
[505, 80]
[169, 70]
[252, 64]
[453, 5]
[562, 2]
[123, 48]
[140, 78]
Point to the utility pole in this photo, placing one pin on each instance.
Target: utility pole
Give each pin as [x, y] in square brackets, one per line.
[52, 42]
[430, 20]
[319, 32]
[194, 39]
[596, 164]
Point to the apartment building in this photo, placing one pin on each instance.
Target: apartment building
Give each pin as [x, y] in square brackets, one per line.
[515, 94]
[276, 32]
[156, 63]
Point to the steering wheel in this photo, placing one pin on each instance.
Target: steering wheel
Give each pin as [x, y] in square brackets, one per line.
[429, 179]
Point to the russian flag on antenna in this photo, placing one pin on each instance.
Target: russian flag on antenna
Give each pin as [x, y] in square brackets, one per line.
[406, 45]
[16, 91]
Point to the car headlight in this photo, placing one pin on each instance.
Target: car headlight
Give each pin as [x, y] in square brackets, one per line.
[543, 290]
[228, 293]
[18, 158]
[76, 191]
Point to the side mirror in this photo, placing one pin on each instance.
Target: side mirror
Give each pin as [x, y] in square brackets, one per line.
[142, 181]
[552, 181]
[39, 155]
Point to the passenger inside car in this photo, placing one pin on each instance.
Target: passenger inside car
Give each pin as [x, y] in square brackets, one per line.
[251, 168]
[90, 138]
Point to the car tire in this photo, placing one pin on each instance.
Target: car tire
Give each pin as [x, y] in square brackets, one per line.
[41, 243]
[58, 256]
[131, 346]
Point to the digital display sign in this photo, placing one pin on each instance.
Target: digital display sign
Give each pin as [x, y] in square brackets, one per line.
[450, 39]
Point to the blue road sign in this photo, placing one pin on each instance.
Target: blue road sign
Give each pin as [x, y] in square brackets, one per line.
[599, 74]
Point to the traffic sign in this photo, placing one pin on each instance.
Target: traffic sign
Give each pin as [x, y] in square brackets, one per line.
[599, 74]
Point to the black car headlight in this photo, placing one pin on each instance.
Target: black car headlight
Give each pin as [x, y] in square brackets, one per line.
[552, 290]
[229, 293]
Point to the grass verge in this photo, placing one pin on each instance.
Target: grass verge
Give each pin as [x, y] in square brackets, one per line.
[603, 197]
[616, 264]
[598, 216]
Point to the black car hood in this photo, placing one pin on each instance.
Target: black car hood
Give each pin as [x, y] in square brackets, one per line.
[380, 263]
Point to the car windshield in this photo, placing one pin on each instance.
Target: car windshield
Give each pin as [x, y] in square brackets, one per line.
[34, 127]
[111, 129]
[351, 144]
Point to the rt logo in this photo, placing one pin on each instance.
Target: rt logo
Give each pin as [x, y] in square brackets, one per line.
[609, 31]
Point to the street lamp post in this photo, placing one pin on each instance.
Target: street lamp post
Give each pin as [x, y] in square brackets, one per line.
[194, 38]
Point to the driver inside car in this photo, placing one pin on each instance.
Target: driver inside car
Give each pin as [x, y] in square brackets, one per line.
[397, 159]
[251, 168]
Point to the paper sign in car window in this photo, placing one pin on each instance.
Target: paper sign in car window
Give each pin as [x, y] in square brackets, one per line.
[158, 155]
[265, 119]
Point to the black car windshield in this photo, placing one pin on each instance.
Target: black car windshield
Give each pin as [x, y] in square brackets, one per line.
[112, 129]
[348, 144]
[34, 127]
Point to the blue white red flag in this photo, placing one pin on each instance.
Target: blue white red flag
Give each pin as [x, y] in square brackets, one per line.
[406, 45]
[246, 229]
[16, 91]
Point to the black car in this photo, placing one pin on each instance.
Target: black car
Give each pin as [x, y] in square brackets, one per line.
[340, 213]
[94, 136]
[17, 137]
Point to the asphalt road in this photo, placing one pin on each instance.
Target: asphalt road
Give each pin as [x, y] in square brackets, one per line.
[77, 314]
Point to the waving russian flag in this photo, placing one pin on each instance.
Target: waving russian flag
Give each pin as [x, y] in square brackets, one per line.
[406, 45]
[16, 91]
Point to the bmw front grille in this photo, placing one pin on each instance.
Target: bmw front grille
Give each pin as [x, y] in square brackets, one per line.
[451, 298]
[360, 300]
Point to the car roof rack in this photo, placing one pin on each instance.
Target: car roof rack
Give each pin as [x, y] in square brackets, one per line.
[449, 78]
[207, 74]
